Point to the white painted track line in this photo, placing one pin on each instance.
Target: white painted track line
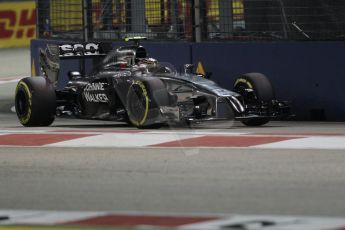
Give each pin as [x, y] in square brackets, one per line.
[2, 82]
[215, 221]
[44, 217]
[180, 138]
[308, 143]
[122, 140]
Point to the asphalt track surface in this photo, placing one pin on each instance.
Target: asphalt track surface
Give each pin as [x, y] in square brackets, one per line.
[301, 181]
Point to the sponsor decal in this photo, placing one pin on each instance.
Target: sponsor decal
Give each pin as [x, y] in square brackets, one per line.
[94, 93]
[122, 74]
[17, 23]
[70, 50]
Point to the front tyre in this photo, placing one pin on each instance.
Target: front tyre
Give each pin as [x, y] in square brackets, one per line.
[138, 104]
[256, 121]
[256, 90]
[35, 101]
[143, 101]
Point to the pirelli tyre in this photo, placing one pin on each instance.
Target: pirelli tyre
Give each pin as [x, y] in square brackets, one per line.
[144, 98]
[35, 101]
[256, 88]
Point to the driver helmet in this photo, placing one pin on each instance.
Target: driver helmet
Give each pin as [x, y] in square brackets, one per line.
[148, 62]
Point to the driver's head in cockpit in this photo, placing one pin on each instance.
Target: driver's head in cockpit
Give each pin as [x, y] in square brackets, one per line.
[149, 63]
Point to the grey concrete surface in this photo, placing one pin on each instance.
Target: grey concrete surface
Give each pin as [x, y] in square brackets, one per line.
[239, 181]
[7, 92]
[15, 62]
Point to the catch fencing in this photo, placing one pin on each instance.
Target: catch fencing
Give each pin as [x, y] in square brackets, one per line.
[192, 20]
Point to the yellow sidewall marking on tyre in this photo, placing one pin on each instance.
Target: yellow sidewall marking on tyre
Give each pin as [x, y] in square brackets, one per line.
[143, 88]
[26, 118]
[244, 81]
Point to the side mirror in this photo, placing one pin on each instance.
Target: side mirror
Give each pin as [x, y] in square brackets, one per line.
[189, 68]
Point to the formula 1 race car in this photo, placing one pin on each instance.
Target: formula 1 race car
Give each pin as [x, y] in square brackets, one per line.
[131, 87]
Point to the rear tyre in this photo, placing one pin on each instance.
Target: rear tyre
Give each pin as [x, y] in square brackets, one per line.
[256, 121]
[35, 102]
[262, 92]
[143, 101]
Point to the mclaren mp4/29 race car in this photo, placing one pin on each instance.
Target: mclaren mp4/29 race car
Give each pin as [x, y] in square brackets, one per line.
[131, 87]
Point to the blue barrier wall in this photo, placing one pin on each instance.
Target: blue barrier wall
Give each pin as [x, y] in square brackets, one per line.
[309, 74]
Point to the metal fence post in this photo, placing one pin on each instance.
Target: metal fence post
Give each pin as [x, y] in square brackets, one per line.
[196, 20]
[284, 19]
[173, 28]
[43, 21]
[85, 21]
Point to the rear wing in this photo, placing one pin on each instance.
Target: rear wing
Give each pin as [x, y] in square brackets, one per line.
[81, 50]
[56, 60]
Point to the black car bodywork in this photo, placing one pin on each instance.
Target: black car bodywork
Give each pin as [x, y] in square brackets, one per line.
[129, 86]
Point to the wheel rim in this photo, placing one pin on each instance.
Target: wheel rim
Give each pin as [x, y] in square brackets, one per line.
[241, 88]
[137, 106]
[22, 103]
